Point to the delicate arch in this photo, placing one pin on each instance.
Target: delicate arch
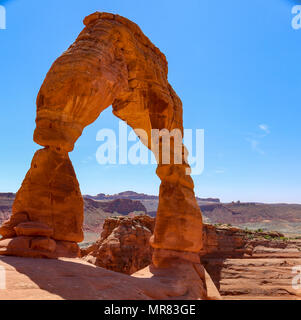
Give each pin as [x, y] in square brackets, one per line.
[111, 63]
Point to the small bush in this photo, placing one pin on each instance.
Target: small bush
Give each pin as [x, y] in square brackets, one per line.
[267, 237]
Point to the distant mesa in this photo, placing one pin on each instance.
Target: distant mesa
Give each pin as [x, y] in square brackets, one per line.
[122, 195]
[122, 206]
[283, 217]
[7, 195]
[137, 196]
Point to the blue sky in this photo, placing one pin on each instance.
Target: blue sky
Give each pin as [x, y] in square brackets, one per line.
[235, 64]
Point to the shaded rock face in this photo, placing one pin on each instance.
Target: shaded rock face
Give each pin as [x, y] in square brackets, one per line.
[242, 264]
[124, 244]
[111, 63]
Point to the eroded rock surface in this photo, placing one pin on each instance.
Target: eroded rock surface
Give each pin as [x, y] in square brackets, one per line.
[123, 246]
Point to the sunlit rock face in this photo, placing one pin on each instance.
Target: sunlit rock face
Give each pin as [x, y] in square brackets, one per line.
[111, 63]
[50, 194]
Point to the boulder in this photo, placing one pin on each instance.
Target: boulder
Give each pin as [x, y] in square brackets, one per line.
[7, 230]
[38, 247]
[124, 244]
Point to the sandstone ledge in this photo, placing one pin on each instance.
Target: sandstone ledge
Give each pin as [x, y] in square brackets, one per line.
[64, 278]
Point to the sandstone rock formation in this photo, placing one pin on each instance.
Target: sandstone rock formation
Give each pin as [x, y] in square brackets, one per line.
[48, 205]
[124, 244]
[111, 63]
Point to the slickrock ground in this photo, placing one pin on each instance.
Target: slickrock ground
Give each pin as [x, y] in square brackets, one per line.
[256, 279]
[251, 265]
[52, 279]
[242, 264]
[75, 279]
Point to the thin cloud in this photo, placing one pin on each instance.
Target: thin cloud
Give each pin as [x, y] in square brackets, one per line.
[255, 145]
[265, 128]
[219, 171]
[255, 138]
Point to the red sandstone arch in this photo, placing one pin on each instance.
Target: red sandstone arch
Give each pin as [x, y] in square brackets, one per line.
[111, 63]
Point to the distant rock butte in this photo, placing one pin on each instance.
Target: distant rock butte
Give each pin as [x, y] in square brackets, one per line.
[123, 206]
[137, 196]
